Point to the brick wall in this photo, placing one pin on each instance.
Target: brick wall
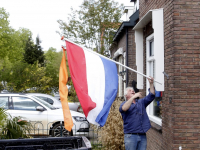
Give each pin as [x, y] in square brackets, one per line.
[164, 140]
[186, 87]
[121, 43]
[181, 111]
[131, 56]
[131, 52]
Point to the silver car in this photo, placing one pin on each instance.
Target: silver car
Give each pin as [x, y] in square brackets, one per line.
[55, 102]
[46, 119]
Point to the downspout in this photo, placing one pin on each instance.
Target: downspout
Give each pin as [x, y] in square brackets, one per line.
[127, 57]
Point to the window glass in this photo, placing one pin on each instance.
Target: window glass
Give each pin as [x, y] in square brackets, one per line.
[157, 103]
[44, 103]
[155, 107]
[50, 101]
[4, 102]
[151, 48]
[24, 103]
[43, 98]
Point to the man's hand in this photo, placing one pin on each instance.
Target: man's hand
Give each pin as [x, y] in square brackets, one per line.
[139, 94]
[152, 89]
[151, 80]
[131, 100]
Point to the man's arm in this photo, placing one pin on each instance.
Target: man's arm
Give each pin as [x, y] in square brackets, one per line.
[128, 103]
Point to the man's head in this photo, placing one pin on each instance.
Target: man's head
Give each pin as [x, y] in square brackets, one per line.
[129, 92]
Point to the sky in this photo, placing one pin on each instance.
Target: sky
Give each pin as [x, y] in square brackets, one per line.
[40, 17]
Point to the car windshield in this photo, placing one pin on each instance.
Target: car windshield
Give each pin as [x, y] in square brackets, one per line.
[45, 103]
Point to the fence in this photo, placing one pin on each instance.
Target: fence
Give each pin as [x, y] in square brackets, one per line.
[58, 130]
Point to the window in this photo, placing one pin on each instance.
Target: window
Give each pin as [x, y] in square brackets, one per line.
[151, 48]
[4, 102]
[24, 103]
[48, 100]
[154, 57]
[122, 74]
[120, 77]
[154, 109]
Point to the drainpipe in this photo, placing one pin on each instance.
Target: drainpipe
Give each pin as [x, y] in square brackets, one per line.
[127, 57]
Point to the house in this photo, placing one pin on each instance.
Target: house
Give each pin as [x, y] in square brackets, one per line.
[162, 39]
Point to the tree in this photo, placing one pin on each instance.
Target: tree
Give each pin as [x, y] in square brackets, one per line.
[95, 24]
[12, 43]
[52, 64]
[5, 31]
[39, 52]
[33, 52]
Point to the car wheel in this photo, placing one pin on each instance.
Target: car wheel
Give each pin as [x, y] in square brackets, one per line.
[57, 132]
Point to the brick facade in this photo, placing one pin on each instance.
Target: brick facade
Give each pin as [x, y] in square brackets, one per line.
[181, 98]
[180, 120]
[121, 43]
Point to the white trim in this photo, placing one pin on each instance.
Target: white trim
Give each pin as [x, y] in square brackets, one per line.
[139, 57]
[149, 108]
[155, 119]
[146, 19]
[158, 26]
[125, 74]
[156, 16]
[137, 4]
[120, 79]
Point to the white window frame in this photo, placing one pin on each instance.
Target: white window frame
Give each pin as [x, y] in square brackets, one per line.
[149, 70]
[156, 16]
[124, 77]
[120, 68]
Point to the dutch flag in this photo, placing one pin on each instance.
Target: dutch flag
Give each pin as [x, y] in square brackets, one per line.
[95, 80]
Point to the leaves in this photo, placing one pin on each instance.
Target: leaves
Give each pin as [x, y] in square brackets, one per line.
[33, 52]
[111, 134]
[15, 127]
[93, 25]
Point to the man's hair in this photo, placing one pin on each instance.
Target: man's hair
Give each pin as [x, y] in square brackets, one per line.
[126, 90]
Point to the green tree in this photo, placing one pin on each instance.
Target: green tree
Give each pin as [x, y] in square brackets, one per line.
[39, 51]
[33, 52]
[32, 78]
[12, 43]
[93, 25]
[52, 64]
[5, 31]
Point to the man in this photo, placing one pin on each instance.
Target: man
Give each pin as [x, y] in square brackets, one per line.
[136, 121]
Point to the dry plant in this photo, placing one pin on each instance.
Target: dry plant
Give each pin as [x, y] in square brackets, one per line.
[111, 135]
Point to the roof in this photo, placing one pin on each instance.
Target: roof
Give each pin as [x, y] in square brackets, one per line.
[131, 23]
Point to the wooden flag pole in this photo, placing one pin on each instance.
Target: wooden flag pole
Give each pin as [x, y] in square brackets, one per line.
[110, 59]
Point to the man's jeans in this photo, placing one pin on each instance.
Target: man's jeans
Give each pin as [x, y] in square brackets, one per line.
[135, 142]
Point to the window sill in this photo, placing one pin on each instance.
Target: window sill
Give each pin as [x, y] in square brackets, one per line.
[156, 126]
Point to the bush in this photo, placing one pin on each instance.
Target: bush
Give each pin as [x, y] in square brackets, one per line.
[111, 135]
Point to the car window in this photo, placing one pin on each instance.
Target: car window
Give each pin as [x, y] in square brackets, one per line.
[44, 103]
[24, 103]
[4, 102]
[50, 101]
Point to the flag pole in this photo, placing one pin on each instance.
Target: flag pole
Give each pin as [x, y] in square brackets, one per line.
[109, 59]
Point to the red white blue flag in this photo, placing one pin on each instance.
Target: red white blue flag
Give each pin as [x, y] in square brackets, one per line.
[95, 80]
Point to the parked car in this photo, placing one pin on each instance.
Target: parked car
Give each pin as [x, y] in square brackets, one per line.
[55, 102]
[46, 119]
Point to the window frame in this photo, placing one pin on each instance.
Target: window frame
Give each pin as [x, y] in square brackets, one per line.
[150, 59]
[120, 79]
[20, 108]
